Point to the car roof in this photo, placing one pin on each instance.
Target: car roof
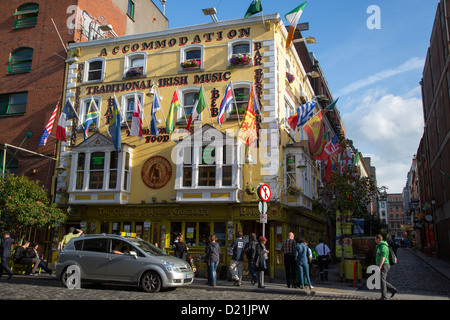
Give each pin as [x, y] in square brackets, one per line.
[127, 236]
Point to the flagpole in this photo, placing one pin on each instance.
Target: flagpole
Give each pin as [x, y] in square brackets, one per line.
[234, 102]
[162, 110]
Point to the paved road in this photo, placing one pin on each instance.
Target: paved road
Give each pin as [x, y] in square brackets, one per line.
[414, 279]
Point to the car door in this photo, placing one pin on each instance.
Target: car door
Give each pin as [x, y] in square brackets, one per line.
[92, 258]
[121, 265]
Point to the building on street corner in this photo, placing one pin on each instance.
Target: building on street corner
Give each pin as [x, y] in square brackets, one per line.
[197, 176]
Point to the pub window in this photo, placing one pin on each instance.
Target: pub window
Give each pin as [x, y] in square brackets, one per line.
[96, 170]
[94, 69]
[190, 233]
[135, 65]
[128, 101]
[126, 176]
[207, 168]
[239, 47]
[187, 167]
[20, 60]
[188, 97]
[191, 58]
[85, 107]
[241, 92]
[13, 103]
[204, 231]
[26, 16]
[227, 165]
[175, 229]
[80, 171]
[113, 170]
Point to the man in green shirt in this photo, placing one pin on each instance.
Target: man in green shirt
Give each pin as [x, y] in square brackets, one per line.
[69, 236]
[382, 261]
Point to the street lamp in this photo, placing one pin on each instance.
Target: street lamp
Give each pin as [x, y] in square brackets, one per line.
[210, 12]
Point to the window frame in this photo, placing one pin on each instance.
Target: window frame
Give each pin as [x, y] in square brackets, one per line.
[87, 65]
[182, 97]
[30, 16]
[9, 97]
[233, 43]
[133, 7]
[239, 85]
[128, 59]
[125, 111]
[12, 65]
[188, 48]
[83, 111]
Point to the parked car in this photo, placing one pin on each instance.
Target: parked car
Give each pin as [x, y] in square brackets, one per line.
[116, 258]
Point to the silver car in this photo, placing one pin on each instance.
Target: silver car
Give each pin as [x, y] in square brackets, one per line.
[114, 258]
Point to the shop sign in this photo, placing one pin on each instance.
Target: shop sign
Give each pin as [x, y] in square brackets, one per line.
[156, 172]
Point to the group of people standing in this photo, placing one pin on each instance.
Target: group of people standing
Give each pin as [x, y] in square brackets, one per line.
[254, 249]
[297, 258]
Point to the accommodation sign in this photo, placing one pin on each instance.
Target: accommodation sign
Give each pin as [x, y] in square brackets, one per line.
[179, 41]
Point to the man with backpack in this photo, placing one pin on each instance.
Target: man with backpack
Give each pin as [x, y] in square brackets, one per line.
[382, 261]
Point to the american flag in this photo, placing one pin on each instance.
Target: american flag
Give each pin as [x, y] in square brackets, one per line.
[48, 127]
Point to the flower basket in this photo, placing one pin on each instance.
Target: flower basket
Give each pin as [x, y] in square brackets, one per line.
[241, 59]
[294, 190]
[234, 114]
[290, 77]
[135, 72]
[250, 189]
[191, 64]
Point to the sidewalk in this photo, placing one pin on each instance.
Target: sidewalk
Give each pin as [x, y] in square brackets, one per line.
[333, 287]
[441, 266]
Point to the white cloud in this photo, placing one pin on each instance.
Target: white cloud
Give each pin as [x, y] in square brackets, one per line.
[388, 128]
[411, 64]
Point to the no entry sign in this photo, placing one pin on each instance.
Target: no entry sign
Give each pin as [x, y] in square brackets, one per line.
[264, 192]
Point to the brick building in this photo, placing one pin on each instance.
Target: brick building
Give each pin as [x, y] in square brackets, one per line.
[434, 150]
[33, 41]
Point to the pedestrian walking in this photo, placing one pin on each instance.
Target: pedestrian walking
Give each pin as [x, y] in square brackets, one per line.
[5, 254]
[290, 267]
[237, 259]
[301, 257]
[261, 257]
[212, 257]
[382, 261]
[323, 252]
[250, 250]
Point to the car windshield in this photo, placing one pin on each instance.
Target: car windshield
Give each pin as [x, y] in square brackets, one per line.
[148, 247]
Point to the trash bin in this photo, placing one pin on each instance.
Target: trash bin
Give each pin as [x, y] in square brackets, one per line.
[351, 270]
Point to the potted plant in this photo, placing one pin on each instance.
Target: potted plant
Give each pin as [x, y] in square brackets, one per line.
[234, 113]
[191, 64]
[290, 77]
[241, 59]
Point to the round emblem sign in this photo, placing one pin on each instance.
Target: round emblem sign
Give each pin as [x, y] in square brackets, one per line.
[156, 172]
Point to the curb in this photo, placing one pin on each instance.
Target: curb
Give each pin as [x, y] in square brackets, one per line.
[429, 264]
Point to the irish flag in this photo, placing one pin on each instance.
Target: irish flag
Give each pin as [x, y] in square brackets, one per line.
[200, 105]
[292, 18]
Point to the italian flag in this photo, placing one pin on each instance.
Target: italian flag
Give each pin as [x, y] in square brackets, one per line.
[292, 18]
[200, 105]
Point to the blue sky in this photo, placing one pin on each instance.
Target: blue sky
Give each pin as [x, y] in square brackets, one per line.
[374, 72]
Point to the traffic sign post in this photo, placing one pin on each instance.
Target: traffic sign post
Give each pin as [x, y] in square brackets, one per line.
[264, 192]
[262, 206]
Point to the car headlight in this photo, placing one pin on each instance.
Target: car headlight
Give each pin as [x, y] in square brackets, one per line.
[171, 267]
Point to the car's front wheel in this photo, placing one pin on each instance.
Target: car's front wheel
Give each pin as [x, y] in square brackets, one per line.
[71, 279]
[151, 281]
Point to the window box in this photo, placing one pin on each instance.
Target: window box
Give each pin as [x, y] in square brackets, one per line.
[192, 64]
[241, 59]
[134, 72]
[290, 77]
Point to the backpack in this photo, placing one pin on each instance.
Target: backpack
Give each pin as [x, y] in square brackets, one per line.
[18, 254]
[392, 256]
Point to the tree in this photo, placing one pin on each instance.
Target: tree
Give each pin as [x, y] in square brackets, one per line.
[24, 203]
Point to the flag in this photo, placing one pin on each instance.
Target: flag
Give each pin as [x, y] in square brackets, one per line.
[314, 130]
[67, 113]
[292, 17]
[247, 131]
[136, 120]
[254, 8]
[114, 126]
[292, 121]
[227, 100]
[200, 105]
[304, 112]
[92, 115]
[320, 153]
[331, 105]
[174, 106]
[153, 121]
[48, 128]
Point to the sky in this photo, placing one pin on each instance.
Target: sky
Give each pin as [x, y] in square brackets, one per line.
[375, 72]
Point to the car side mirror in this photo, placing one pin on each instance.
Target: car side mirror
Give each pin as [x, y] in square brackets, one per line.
[134, 254]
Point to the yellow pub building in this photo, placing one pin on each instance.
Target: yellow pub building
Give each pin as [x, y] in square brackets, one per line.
[200, 181]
